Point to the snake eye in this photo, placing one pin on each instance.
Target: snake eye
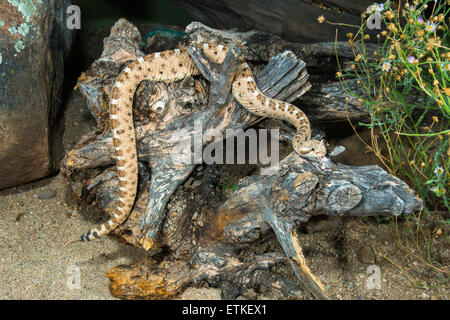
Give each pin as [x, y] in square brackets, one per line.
[159, 107]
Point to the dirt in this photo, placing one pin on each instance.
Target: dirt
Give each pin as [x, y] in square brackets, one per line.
[348, 255]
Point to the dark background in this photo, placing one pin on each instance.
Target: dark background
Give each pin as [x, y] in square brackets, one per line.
[96, 13]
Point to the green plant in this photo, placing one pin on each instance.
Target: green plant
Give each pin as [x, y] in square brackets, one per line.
[404, 83]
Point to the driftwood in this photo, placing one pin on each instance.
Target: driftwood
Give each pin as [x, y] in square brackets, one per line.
[200, 236]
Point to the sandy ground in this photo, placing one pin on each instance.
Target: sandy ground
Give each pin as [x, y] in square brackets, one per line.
[35, 264]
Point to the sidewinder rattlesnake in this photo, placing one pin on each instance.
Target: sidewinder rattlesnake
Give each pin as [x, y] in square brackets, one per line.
[171, 66]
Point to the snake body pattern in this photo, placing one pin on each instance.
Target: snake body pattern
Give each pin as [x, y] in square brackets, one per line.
[171, 66]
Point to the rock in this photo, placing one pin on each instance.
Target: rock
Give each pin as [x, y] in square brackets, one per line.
[366, 254]
[34, 43]
[46, 194]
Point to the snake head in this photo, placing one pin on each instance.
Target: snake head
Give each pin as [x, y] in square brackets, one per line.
[309, 148]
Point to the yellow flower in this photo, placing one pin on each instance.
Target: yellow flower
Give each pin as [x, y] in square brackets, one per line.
[446, 91]
[321, 19]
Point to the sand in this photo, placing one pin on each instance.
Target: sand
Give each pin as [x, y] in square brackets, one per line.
[34, 262]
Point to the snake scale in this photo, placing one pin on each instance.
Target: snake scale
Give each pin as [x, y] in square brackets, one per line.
[170, 66]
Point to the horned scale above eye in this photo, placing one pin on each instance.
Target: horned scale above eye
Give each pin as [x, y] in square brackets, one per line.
[170, 66]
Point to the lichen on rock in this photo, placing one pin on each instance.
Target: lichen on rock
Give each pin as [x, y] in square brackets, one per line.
[26, 7]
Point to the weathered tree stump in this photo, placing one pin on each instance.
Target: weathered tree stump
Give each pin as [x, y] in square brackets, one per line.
[201, 237]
